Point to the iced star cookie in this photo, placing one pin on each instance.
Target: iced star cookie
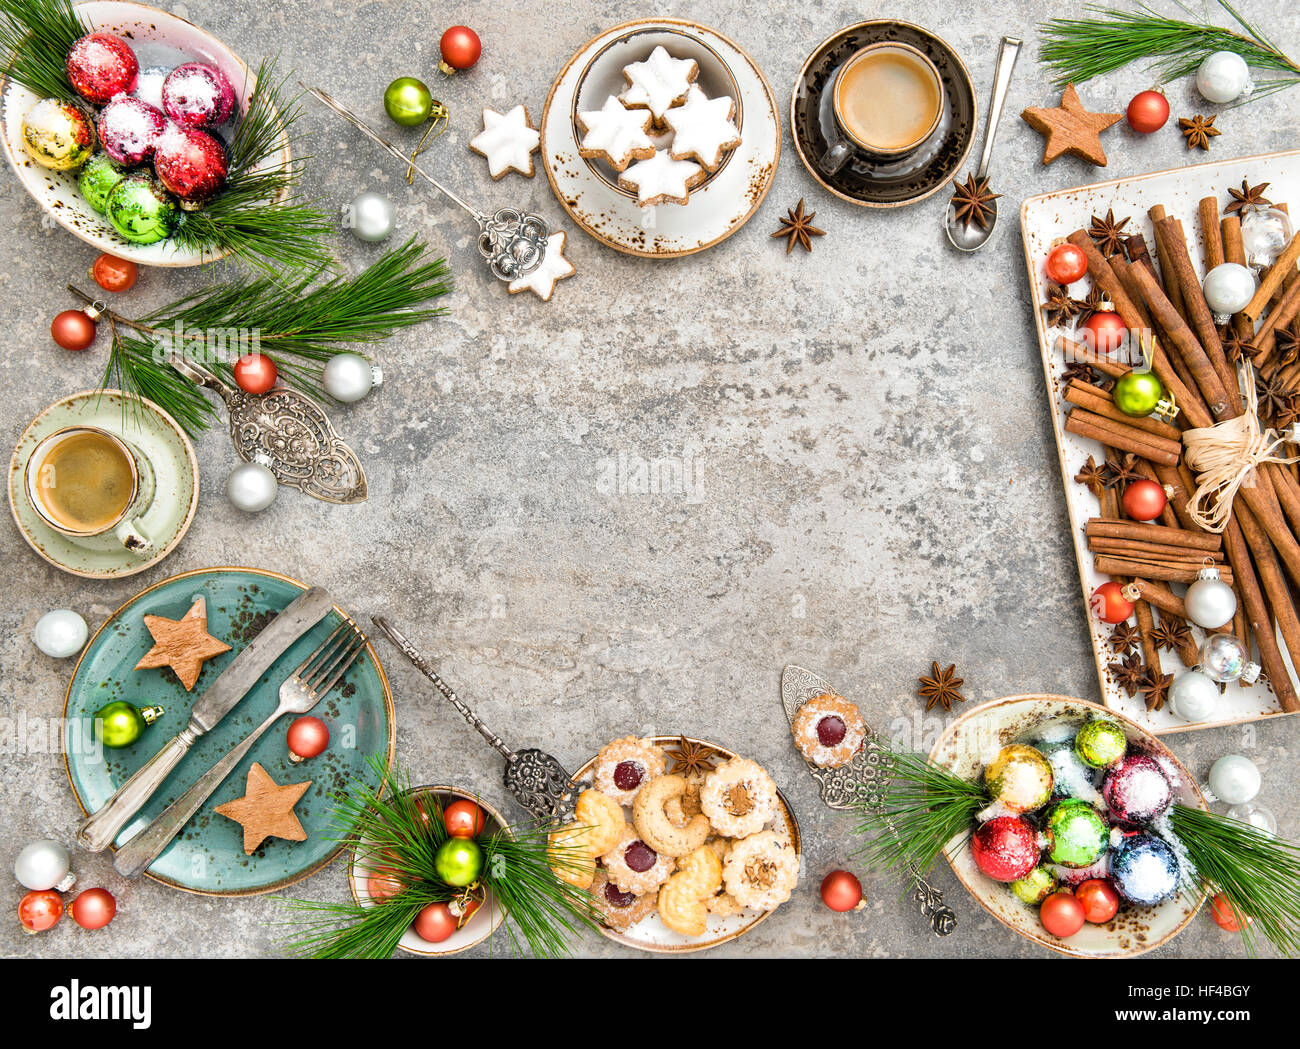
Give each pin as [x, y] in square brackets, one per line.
[553, 267]
[508, 141]
[703, 128]
[615, 134]
[658, 83]
[662, 180]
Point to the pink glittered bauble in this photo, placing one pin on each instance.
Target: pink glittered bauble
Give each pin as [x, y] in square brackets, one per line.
[1005, 848]
[129, 130]
[198, 95]
[1136, 790]
[102, 66]
[192, 164]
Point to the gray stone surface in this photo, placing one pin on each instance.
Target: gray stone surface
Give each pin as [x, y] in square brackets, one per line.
[876, 483]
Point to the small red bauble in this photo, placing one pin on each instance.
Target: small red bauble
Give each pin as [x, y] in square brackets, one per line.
[1144, 500]
[1099, 899]
[1106, 331]
[102, 66]
[1062, 915]
[114, 274]
[382, 883]
[1005, 848]
[190, 163]
[1066, 264]
[1224, 916]
[460, 47]
[93, 909]
[73, 329]
[435, 923]
[307, 736]
[130, 130]
[255, 373]
[464, 819]
[39, 910]
[841, 891]
[1109, 604]
[1148, 112]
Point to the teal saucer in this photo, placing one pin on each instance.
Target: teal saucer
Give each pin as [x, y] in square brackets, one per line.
[208, 856]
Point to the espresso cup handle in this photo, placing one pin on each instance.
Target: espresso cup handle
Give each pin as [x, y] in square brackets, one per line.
[131, 537]
[835, 157]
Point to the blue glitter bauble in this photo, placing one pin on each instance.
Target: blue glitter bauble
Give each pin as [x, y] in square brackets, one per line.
[1144, 870]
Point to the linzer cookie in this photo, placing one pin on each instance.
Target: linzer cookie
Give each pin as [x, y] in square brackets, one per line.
[658, 83]
[662, 180]
[616, 134]
[703, 129]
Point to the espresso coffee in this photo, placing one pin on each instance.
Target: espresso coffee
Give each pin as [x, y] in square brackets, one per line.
[888, 98]
[86, 482]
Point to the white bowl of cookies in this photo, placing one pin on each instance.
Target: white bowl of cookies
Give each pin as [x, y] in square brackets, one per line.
[657, 115]
[683, 844]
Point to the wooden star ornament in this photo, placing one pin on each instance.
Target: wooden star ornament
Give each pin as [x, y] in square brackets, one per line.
[1070, 128]
[266, 809]
[182, 644]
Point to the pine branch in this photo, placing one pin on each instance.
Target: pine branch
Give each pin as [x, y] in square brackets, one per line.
[38, 34]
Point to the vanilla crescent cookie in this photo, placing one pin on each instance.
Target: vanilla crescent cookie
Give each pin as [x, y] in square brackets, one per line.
[571, 855]
[761, 871]
[508, 140]
[654, 826]
[616, 134]
[828, 730]
[622, 767]
[658, 83]
[633, 866]
[739, 798]
[662, 180]
[684, 898]
[619, 909]
[703, 128]
[604, 816]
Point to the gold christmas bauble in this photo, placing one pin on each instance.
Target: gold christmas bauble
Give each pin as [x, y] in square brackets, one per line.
[58, 135]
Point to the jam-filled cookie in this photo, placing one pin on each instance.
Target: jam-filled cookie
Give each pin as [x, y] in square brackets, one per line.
[619, 909]
[633, 866]
[622, 767]
[761, 871]
[739, 798]
[828, 730]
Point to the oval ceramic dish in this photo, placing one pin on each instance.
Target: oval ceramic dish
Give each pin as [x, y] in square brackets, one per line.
[964, 748]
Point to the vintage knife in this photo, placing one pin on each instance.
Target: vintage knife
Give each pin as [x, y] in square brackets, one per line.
[303, 613]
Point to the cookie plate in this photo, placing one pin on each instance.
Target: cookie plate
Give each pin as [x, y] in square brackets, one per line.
[653, 935]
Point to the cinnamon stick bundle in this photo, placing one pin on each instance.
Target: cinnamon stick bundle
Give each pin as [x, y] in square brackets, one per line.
[1109, 564]
[1112, 528]
[1120, 435]
[1100, 403]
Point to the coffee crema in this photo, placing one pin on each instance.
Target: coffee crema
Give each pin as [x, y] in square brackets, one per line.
[86, 482]
[888, 99]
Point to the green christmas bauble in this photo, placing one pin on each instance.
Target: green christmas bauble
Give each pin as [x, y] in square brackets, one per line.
[98, 179]
[58, 135]
[141, 210]
[1020, 778]
[1137, 393]
[119, 724]
[1035, 886]
[459, 862]
[1100, 744]
[408, 101]
[1077, 835]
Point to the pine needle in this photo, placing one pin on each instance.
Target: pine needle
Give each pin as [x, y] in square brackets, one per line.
[38, 34]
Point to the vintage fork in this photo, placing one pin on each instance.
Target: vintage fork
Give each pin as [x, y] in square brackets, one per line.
[299, 693]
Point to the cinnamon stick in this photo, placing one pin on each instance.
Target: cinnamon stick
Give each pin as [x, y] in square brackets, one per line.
[1099, 402]
[1171, 284]
[1157, 594]
[1275, 587]
[1084, 423]
[1146, 624]
[1273, 278]
[1152, 551]
[1105, 528]
[1171, 477]
[1208, 210]
[1077, 351]
[1109, 564]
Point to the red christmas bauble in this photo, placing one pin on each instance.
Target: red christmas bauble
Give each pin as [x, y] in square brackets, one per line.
[460, 47]
[130, 130]
[841, 891]
[307, 736]
[435, 923]
[256, 373]
[383, 882]
[101, 66]
[1109, 604]
[114, 274]
[190, 163]
[39, 910]
[196, 94]
[1099, 899]
[1062, 915]
[1144, 500]
[464, 819]
[93, 909]
[1106, 331]
[1148, 112]
[1065, 264]
[1224, 916]
[1005, 848]
[73, 329]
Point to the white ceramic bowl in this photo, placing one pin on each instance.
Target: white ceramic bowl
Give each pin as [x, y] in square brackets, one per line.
[971, 741]
[150, 31]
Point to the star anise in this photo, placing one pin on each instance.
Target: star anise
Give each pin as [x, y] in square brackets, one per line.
[1247, 197]
[1238, 347]
[1107, 232]
[1092, 476]
[1124, 637]
[691, 759]
[1286, 343]
[1154, 686]
[1171, 633]
[1276, 401]
[797, 228]
[1128, 673]
[1095, 302]
[1122, 469]
[941, 688]
[1198, 131]
[1059, 307]
[973, 202]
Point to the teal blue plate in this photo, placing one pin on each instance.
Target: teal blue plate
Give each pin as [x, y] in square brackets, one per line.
[208, 855]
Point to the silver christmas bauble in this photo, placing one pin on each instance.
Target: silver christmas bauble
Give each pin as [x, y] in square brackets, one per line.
[1223, 76]
[1256, 815]
[1210, 602]
[1229, 287]
[1265, 233]
[1225, 658]
[1234, 779]
[370, 216]
[60, 633]
[252, 487]
[44, 865]
[1193, 696]
[348, 377]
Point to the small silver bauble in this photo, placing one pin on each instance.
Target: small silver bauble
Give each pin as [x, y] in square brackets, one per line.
[1193, 696]
[1265, 233]
[1234, 779]
[60, 633]
[44, 865]
[1228, 288]
[1223, 77]
[1224, 658]
[1256, 815]
[370, 216]
[348, 377]
[252, 487]
[1210, 602]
